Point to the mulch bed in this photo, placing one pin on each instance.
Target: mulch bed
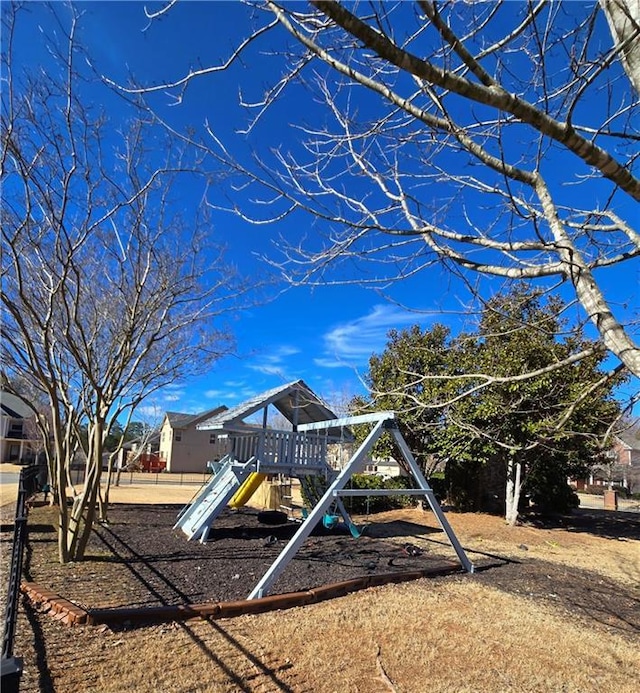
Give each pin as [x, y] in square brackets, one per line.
[138, 560]
[237, 553]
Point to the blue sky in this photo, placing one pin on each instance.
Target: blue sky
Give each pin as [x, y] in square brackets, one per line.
[324, 335]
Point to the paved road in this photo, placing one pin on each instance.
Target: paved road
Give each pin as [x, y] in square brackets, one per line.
[593, 502]
[9, 477]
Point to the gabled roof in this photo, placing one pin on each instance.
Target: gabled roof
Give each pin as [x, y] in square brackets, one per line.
[180, 420]
[296, 401]
[13, 406]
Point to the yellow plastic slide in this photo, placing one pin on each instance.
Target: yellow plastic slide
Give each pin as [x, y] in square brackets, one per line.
[248, 488]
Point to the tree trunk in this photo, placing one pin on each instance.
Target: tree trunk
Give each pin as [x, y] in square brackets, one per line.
[514, 488]
[59, 467]
[84, 507]
[103, 495]
[624, 23]
[88, 508]
[63, 518]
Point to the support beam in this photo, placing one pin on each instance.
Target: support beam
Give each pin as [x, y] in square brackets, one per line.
[431, 499]
[348, 421]
[363, 492]
[315, 515]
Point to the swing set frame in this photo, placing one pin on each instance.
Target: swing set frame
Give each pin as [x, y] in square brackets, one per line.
[337, 489]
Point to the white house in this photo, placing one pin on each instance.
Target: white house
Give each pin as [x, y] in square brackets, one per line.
[18, 439]
[184, 448]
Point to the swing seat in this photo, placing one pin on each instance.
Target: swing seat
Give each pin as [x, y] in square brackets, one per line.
[330, 521]
[355, 532]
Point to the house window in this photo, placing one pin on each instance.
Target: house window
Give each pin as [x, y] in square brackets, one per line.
[213, 438]
[162, 437]
[177, 436]
[15, 430]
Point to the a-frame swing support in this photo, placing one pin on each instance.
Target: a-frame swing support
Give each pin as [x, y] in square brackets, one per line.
[384, 421]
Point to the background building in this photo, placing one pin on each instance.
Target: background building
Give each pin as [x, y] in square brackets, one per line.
[18, 434]
[183, 448]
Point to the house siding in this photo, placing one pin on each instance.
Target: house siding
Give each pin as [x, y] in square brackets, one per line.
[191, 453]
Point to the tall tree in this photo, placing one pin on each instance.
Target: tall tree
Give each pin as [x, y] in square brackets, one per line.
[475, 136]
[108, 292]
[503, 435]
[396, 382]
[536, 432]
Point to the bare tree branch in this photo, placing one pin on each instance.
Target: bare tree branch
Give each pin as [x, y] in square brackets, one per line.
[108, 293]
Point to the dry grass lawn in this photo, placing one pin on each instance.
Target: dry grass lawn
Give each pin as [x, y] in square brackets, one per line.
[456, 634]
[458, 637]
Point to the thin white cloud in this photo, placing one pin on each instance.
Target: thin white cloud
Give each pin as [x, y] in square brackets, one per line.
[274, 362]
[149, 411]
[282, 352]
[352, 343]
[172, 393]
[332, 363]
[267, 369]
[214, 394]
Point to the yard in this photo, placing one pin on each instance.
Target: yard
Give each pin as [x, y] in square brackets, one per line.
[556, 607]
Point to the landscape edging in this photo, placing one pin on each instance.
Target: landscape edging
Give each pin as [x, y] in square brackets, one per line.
[71, 614]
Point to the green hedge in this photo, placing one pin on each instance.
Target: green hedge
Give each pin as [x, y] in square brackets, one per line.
[597, 490]
[439, 485]
[363, 505]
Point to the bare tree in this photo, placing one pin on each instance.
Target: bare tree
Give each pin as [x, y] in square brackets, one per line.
[147, 427]
[494, 139]
[108, 293]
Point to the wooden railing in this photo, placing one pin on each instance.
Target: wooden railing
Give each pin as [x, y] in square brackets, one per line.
[281, 448]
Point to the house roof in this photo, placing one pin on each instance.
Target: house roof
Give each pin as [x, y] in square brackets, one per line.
[180, 420]
[631, 435]
[296, 401]
[13, 406]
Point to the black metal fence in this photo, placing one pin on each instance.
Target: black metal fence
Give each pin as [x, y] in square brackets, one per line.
[30, 482]
[127, 478]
